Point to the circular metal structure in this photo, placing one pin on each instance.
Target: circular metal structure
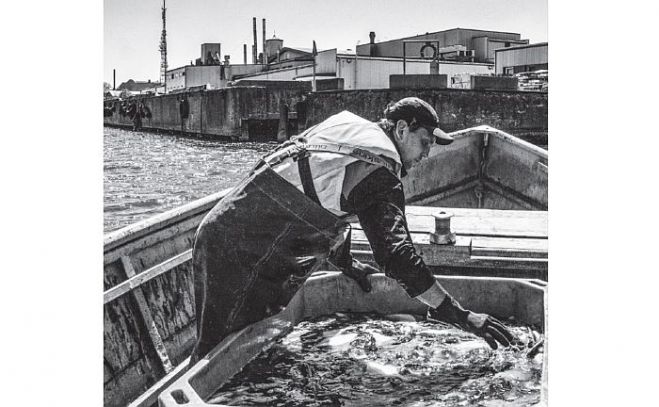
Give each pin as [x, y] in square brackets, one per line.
[428, 46]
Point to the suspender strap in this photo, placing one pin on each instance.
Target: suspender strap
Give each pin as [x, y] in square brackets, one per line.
[300, 153]
[305, 176]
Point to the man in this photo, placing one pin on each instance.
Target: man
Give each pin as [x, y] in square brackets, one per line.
[258, 245]
[184, 111]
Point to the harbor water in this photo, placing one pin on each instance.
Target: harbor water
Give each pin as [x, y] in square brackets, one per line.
[147, 173]
[365, 360]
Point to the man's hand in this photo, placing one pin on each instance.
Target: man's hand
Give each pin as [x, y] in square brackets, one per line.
[483, 325]
[359, 272]
[489, 328]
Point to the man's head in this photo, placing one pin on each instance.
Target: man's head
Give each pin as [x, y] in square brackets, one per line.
[414, 127]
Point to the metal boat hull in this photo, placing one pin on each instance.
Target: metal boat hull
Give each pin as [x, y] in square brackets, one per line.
[149, 325]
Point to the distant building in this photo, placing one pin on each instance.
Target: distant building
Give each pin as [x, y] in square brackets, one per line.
[138, 87]
[458, 53]
[210, 53]
[359, 72]
[524, 58]
[456, 44]
[112, 94]
[206, 76]
[272, 47]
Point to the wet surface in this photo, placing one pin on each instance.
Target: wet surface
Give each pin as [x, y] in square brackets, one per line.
[148, 173]
[364, 360]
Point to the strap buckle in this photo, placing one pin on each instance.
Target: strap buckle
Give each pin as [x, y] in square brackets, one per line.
[300, 153]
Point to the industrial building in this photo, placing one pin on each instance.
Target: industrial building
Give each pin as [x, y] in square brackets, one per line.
[524, 58]
[209, 72]
[359, 72]
[456, 44]
[457, 53]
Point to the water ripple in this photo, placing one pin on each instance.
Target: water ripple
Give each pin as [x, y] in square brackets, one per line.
[145, 174]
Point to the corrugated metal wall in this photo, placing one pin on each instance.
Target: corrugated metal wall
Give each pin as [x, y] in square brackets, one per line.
[521, 56]
[374, 74]
[326, 62]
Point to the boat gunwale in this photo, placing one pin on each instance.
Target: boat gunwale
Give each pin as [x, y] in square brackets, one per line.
[130, 233]
[509, 138]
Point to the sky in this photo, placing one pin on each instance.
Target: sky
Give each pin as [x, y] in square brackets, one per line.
[132, 28]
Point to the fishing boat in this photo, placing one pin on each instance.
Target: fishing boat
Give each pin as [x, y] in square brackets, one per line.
[493, 184]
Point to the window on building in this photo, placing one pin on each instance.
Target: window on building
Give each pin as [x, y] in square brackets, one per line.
[507, 44]
[183, 74]
[172, 76]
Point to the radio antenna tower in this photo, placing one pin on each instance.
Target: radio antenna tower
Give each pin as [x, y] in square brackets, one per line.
[163, 48]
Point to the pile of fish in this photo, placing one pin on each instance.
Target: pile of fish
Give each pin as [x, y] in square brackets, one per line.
[358, 360]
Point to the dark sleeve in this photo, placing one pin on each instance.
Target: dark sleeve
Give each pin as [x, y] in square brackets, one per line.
[379, 203]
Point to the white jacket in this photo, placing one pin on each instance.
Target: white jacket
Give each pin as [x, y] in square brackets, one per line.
[328, 168]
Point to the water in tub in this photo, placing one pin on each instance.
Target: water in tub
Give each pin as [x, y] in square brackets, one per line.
[366, 360]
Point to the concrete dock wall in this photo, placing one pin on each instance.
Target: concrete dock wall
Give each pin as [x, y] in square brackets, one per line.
[523, 114]
[232, 112]
[214, 113]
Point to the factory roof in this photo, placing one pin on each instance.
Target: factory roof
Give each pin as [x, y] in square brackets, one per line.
[537, 44]
[442, 31]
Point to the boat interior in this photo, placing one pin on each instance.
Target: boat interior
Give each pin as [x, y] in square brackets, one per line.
[493, 184]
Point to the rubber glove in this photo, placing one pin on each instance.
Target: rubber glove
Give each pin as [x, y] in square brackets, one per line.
[359, 272]
[483, 325]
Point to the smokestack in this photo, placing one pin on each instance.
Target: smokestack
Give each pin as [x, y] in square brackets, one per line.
[114, 79]
[371, 35]
[255, 40]
[265, 58]
[245, 53]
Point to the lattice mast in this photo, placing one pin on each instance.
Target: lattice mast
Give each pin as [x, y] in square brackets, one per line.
[163, 47]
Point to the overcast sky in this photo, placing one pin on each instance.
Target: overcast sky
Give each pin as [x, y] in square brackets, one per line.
[132, 28]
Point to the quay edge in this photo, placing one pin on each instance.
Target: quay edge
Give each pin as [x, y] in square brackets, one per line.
[254, 113]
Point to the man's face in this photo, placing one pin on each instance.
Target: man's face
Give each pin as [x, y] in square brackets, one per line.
[414, 145]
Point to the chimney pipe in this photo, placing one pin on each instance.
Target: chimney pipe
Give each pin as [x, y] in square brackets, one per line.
[254, 52]
[245, 53]
[265, 57]
[371, 35]
[114, 79]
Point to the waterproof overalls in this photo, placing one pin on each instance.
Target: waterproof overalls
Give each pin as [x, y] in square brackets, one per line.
[259, 244]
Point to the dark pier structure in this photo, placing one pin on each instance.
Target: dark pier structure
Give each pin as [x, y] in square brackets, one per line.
[253, 111]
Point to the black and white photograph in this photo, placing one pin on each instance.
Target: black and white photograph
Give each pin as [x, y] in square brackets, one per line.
[304, 203]
[315, 204]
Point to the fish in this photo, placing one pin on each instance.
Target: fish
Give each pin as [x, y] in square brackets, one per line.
[381, 369]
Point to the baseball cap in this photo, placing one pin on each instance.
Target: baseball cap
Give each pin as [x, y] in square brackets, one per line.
[414, 109]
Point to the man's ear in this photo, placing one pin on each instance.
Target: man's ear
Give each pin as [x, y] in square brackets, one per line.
[401, 125]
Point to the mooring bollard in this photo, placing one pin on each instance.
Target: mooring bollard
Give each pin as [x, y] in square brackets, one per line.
[442, 234]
